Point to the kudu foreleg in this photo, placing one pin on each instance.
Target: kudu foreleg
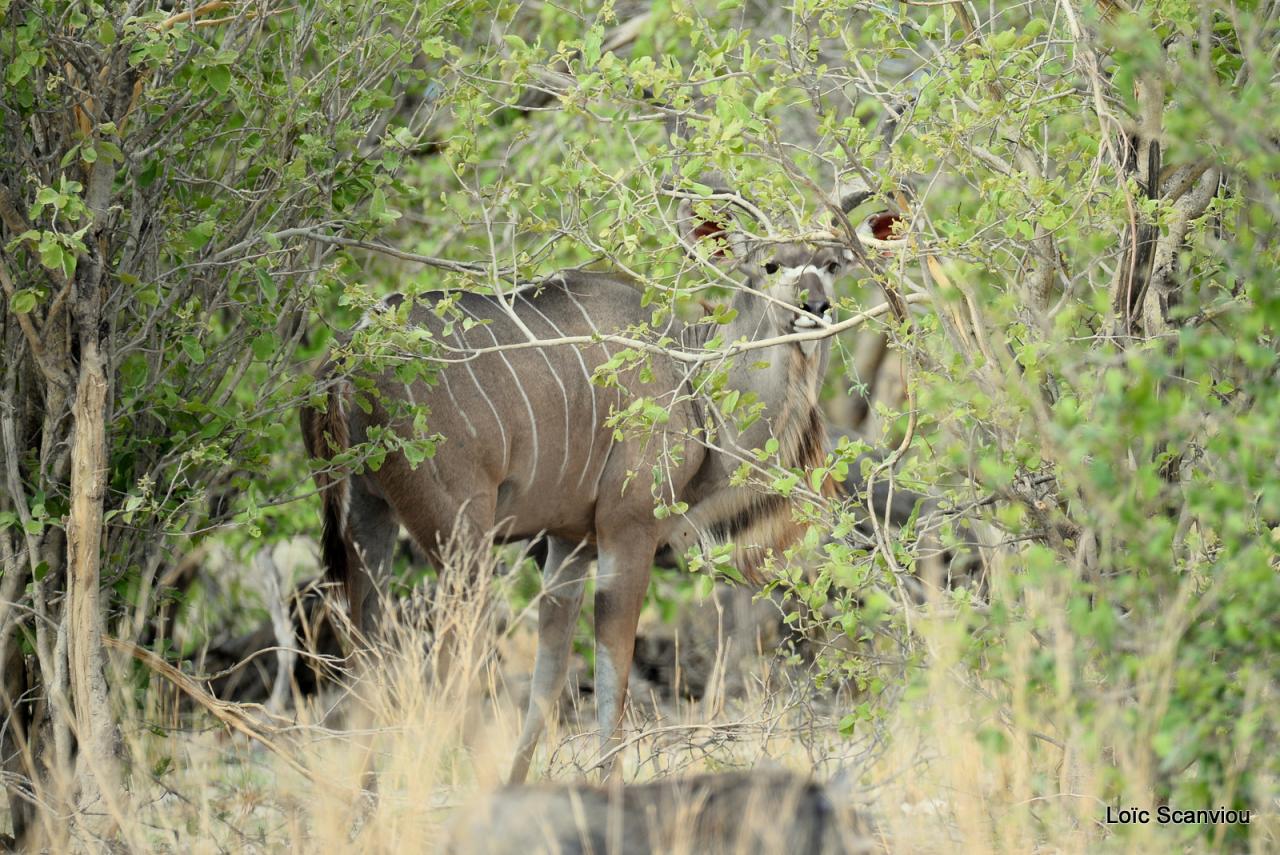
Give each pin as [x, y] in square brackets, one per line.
[622, 578]
[564, 577]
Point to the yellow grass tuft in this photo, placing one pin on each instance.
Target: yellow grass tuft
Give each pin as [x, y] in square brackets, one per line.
[437, 707]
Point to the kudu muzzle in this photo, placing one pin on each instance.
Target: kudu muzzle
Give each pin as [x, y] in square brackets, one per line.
[815, 301]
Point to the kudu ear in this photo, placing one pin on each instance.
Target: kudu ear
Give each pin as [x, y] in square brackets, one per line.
[711, 230]
[708, 227]
[876, 229]
[851, 191]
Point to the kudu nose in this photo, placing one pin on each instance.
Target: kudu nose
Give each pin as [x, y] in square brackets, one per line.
[817, 307]
[813, 296]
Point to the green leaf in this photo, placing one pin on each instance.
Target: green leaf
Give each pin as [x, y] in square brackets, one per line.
[268, 285]
[191, 346]
[378, 204]
[786, 484]
[110, 151]
[150, 173]
[218, 78]
[732, 573]
[265, 346]
[730, 402]
[133, 370]
[198, 236]
[591, 47]
[51, 253]
[23, 301]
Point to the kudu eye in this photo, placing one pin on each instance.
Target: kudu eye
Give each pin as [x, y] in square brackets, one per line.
[771, 267]
[833, 267]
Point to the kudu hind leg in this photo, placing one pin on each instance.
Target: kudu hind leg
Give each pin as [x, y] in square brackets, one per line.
[564, 578]
[622, 578]
[372, 529]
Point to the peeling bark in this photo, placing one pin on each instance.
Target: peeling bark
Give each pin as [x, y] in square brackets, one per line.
[83, 618]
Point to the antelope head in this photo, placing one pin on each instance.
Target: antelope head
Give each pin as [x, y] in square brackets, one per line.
[788, 286]
[795, 282]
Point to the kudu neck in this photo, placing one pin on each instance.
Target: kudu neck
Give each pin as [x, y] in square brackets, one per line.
[784, 379]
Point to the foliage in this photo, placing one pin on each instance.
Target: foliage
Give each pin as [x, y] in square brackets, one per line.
[165, 184]
[1090, 396]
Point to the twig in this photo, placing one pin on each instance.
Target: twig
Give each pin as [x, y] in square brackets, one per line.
[636, 738]
[203, 9]
[684, 356]
[430, 260]
[30, 333]
[229, 714]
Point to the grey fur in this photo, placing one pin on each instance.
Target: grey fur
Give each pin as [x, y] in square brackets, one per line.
[758, 812]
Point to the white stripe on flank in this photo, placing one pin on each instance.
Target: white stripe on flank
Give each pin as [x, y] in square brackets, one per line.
[533, 423]
[586, 375]
[506, 446]
[595, 491]
[563, 392]
[471, 428]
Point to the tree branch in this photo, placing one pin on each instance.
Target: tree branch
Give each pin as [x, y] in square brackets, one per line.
[30, 332]
[684, 356]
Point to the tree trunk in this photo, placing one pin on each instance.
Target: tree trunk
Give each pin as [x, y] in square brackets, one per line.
[83, 618]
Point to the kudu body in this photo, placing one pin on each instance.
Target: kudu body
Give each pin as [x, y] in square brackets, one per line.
[527, 453]
[758, 811]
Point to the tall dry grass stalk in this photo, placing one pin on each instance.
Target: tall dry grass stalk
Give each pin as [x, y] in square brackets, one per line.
[434, 712]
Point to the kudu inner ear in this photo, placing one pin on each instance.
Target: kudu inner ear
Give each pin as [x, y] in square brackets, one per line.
[709, 235]
[710, 230]
[883, 225]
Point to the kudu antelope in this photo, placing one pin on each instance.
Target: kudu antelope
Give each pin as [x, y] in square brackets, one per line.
[527, 453]
[759, 811]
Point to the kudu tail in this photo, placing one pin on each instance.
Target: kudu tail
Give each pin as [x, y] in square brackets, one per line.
[325, 433]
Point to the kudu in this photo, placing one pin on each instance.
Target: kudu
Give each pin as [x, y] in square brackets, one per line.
[527, 451]
[758, 811]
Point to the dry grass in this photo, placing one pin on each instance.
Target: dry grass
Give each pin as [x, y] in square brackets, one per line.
[439, 710]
